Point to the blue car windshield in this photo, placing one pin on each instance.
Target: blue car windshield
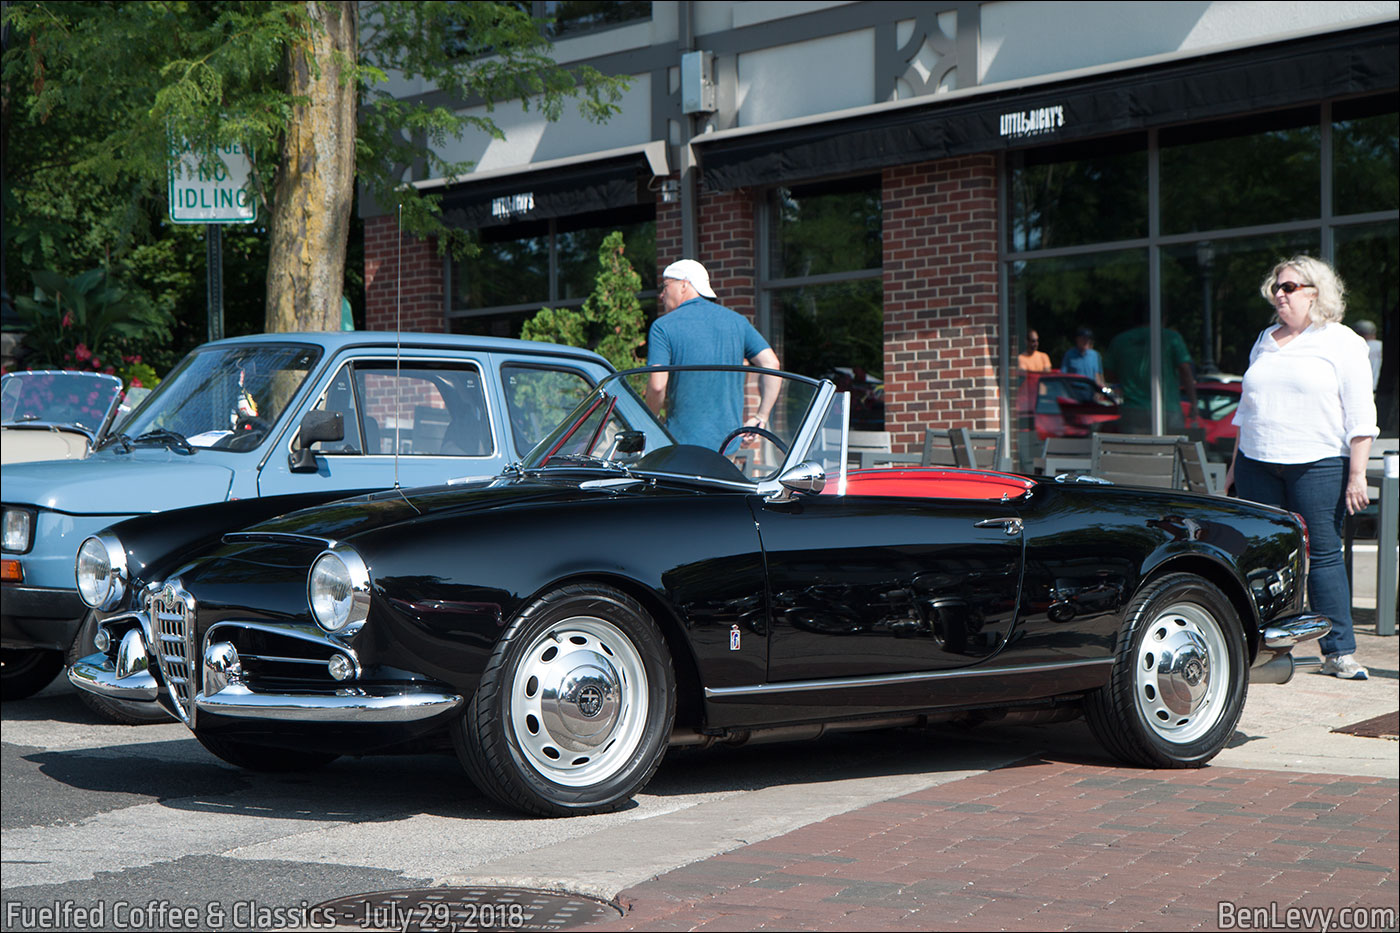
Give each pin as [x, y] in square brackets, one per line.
[225, 397]
[732, 424]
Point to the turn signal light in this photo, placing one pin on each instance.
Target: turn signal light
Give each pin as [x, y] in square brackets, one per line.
[11, 571]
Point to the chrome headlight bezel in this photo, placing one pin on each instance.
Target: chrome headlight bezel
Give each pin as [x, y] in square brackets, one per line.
[101, 592]
[17, 534]
[343, 568]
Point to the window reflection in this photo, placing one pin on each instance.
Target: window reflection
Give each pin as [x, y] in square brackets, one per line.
[1241, 172]
[1080, 194]
[1366, 157]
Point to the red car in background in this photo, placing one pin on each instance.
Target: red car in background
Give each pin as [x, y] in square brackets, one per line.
[1063, 404]
[1217, 397]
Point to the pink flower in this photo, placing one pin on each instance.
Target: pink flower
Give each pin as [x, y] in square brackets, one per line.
[82, 352]
[110, 370]
[135, 383]
[67, 319]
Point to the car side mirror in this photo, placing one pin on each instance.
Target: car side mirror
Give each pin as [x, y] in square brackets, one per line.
[315, 426]
[808, 476]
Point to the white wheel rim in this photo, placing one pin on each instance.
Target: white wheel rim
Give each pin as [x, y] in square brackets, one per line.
[1182, 675]
[578, 702]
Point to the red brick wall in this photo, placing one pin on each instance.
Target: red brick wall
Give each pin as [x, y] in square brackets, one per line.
[940, 276]
[728, 248]
[422, 285]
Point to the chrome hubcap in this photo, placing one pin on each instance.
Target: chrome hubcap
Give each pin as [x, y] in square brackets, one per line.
[1182, 673]
[578, 702]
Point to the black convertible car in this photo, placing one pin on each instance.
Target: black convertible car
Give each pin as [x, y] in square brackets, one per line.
[618, 592]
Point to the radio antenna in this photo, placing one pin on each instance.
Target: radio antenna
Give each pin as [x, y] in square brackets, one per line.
[398, 348]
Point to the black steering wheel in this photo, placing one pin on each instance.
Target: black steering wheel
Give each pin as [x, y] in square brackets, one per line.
[754, 429]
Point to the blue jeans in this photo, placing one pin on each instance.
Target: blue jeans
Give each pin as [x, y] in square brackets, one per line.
[1315, 491]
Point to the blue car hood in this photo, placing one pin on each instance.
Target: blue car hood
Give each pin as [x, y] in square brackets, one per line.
[117, 485]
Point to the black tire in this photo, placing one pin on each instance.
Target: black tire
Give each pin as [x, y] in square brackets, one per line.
[574, 710]
[1179, 678]
[125, 712]
[26, 671]
[265, 758]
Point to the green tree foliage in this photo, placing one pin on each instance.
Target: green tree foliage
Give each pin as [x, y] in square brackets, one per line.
[82, 321]
[611, 321]
[95, 91]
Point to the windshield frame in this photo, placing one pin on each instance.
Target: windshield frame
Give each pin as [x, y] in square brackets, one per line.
[275, 429]
[537, 461]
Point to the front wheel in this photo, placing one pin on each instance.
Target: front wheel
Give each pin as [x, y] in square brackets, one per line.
[574, 710]
[1179, 679]
[26, 671]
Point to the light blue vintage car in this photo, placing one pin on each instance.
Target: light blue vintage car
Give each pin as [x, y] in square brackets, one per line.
[274, 415]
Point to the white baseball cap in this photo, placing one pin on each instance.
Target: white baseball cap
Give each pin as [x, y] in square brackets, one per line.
[688, 270]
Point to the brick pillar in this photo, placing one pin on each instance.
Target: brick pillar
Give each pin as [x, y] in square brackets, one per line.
[727, 249]
[422, 281]
[940, 284]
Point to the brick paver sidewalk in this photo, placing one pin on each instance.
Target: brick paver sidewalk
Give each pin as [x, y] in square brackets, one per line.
[1059, 846]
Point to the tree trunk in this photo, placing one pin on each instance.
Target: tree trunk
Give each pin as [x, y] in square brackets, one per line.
[310, 216]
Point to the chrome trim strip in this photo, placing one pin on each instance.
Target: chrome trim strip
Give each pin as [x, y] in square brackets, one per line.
[353, 706]
[305, 632]
[1294, 630]
[278, 537]
[95, 674]
[881, 680]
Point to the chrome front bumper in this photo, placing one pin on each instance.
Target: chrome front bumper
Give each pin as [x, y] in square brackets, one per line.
[367, 705]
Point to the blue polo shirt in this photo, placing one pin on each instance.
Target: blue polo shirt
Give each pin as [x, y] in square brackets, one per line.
[702, 408]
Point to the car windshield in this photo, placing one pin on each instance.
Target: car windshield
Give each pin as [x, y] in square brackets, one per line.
[83, 400]
[225, 397]
[731, 424]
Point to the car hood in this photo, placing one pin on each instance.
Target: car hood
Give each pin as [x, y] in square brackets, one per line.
[344, 519]
[123, 485]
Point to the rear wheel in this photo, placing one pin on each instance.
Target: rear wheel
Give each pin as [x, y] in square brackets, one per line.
[26, 671]
[263, 757]
[574, 710]
[1179, 680]
[126, 712]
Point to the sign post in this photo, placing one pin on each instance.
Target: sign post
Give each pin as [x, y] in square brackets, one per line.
[214, 193]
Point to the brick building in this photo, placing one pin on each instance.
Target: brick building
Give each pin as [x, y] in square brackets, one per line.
[899, 192]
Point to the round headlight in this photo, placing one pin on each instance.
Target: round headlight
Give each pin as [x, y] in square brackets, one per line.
[338, 590]
[101, 571]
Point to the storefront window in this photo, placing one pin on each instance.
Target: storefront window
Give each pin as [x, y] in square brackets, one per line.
[1367, 260]
[1365, 156]
[521, 268]
[824, 291]
[1243, 172]
[1080, 194]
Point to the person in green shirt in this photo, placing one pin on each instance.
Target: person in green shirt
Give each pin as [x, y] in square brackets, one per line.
[1129, 363]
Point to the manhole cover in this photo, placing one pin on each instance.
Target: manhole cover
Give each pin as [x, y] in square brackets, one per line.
[478, 908]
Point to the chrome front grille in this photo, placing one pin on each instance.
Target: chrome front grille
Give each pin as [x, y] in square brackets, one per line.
[171, 611]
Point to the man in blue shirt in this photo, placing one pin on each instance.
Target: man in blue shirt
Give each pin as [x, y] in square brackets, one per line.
[703, 408]
[1082, 359]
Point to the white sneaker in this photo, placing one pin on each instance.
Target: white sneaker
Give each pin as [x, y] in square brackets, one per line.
[1345, 667]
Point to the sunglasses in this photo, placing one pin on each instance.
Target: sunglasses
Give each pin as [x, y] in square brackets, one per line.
[1289, 288]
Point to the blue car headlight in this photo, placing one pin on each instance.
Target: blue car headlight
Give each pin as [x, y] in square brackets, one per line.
[337, 589]
[18, 529]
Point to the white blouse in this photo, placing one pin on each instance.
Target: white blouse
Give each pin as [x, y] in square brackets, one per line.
[1306, 400]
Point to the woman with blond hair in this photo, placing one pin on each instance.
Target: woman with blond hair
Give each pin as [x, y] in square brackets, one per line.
[1307, 418]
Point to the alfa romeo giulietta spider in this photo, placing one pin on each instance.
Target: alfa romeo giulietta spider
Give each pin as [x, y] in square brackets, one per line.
[617, 592]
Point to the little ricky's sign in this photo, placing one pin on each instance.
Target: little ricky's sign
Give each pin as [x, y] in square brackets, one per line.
[211, 191]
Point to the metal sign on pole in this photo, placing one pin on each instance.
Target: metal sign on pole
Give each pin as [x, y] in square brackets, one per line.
[212, 194]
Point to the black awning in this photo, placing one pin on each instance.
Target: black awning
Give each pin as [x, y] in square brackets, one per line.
[620, 181]
[1285, 74]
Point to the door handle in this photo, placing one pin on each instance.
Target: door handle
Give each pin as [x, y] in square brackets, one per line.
[1012, 526]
